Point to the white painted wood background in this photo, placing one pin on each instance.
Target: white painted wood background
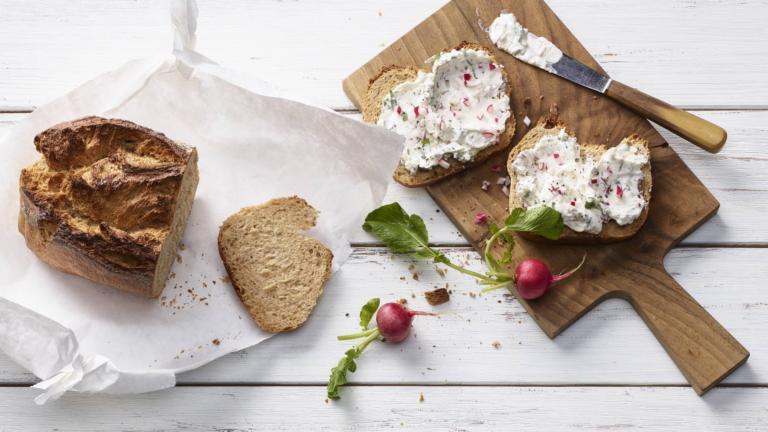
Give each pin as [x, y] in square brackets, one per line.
[607, 372]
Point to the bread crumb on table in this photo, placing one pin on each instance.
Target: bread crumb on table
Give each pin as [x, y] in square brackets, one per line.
[415, 276]
[216, 342]
[421, 397]
[178, 258]
[402, 301]
[437, 297]
[496, 344]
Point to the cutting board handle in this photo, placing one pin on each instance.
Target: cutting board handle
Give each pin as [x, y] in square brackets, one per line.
[700, 347]
[704, 134]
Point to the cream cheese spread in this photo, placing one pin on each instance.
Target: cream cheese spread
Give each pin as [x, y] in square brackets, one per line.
[586, 192]
[509, 35]
[457, 110]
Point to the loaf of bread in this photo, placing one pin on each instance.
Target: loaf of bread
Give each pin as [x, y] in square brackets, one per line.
[611, 231]
[392, 76]
[277, 272]
[108, 201]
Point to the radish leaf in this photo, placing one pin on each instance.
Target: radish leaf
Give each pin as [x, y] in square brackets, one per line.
[367, 312]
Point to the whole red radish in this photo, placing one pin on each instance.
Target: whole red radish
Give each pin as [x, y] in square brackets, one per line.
[533, 278]
[394, 321]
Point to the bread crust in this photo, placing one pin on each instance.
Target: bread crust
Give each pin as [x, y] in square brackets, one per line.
[612, 231]
[105, 199]
[389, 78]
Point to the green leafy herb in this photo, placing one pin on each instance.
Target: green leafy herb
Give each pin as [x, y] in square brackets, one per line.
[544, 221]
[433, 58]
[399, 231]
[405, 116]
[347, 363]
[592, 203]
[367, 312]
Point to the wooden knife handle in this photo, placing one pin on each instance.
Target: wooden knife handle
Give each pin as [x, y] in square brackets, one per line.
[704, 134]
[701, 348]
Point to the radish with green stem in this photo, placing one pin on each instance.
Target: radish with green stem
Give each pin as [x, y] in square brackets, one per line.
[394, 324]
[402, 232]
[533, 278]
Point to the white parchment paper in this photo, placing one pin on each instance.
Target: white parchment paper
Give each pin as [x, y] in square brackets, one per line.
[254, 144]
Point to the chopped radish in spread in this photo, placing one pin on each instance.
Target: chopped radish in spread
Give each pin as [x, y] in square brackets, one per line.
[399, 110]
[491, 66]
[488, 135]
[480, 218]
[556, 155]
[573, 203]
[467, 77]
[594, 181]
[490, 108]
[465, 101]
[480, 117]
[619, 191]
[443, 163]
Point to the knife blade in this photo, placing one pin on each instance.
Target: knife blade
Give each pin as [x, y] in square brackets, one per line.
[579, 73]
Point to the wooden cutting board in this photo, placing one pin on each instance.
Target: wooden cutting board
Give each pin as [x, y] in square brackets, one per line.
[633, 270]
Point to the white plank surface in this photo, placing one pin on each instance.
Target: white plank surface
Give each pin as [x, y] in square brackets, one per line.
[685, 52]
[521, 409]
[611, 345]
[737, 176]
[703, 54]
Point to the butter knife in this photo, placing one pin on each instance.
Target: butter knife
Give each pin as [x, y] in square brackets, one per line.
[511, 37]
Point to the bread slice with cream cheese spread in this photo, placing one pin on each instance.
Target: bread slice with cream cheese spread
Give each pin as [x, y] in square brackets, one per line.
[611, 230]
[392, 76]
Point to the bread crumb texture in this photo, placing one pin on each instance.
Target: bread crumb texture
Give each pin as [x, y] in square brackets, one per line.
[277, 272]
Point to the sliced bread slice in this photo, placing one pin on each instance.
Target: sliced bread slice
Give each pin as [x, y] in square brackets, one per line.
[277, 272]
[392, 76]
[612, 231]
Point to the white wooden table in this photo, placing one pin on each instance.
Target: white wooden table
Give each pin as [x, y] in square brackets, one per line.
[607, 372]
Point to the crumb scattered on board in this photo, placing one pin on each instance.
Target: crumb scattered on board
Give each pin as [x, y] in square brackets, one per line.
[415, 276]
[178, 258]
[402, 301]
[216, 342]
[496, 344]
[421, 397]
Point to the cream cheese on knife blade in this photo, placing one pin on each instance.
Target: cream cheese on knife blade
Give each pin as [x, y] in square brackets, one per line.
[457, 110]
[509, 35]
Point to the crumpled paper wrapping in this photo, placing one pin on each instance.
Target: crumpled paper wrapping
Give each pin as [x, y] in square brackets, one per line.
[255, 142]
